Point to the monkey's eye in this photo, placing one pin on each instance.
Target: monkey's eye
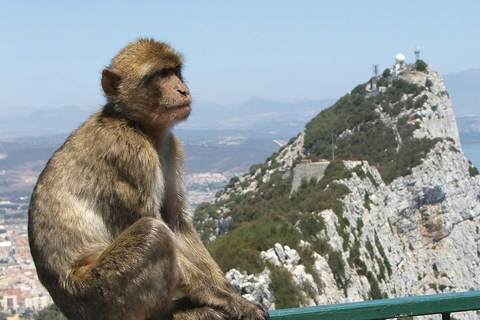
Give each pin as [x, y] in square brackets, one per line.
[164, 73]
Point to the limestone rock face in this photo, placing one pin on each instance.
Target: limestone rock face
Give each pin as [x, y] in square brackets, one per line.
[438, 119]
[419, 234]
[281, 256]
[253, 288]
[427, 224]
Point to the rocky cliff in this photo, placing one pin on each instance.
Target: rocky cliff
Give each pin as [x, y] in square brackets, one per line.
[397, 215]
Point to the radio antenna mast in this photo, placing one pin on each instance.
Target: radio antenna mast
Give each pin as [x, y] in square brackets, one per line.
[417, 53]
[333, 149]
[375, 70]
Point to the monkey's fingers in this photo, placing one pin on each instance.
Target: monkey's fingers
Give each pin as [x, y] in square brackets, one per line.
[200, 313]
[260, 313]
[239, 308]
[265, 310]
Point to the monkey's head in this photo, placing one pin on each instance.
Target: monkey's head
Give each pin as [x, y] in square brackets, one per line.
[145, 84]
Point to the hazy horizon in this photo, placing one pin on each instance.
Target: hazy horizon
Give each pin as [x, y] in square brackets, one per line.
[53, 52]
[22, 112]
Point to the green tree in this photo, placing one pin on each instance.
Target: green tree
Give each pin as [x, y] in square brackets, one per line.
[27, 314]
[50, 313]
[473, 171]
[386, 73]
[382, 82]
[421, 65]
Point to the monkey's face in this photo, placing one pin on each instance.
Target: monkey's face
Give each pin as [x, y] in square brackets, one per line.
[173, 96]
[145, 83]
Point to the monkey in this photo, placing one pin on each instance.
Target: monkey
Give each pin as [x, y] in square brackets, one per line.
[109, 228]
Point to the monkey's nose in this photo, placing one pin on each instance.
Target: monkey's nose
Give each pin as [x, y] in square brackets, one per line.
[183, 92]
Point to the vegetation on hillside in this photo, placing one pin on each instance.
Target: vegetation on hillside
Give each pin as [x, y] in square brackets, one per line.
[472, 170]
[386, 73]
[273, 215]
[421, 65]
[360, 133]
[269, 217]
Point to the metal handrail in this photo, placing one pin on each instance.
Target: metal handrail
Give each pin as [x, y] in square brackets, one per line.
[387, 308]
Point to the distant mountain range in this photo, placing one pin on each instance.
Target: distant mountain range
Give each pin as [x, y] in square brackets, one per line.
[43, 122]
[278, 119]
[257, 115]
[464, 88]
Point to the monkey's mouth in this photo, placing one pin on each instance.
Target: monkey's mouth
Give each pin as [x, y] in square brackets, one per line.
[181, 106]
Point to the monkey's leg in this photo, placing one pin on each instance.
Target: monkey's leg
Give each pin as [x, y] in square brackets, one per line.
[134, 278]
[202, 280]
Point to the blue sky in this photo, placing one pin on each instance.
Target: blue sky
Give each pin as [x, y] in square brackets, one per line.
[52, 52]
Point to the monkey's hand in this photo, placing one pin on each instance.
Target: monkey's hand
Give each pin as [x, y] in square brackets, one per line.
[185, 309]
[238, 308]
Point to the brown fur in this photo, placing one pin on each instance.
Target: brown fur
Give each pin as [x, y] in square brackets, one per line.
[109, 229]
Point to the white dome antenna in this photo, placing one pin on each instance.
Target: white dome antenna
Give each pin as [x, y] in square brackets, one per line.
[399, 63]
[400, 58]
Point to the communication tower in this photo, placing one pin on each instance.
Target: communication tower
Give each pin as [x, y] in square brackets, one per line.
[417, 53]
[375, 70]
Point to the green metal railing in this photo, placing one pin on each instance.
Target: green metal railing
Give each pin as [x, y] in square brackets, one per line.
[443, 304]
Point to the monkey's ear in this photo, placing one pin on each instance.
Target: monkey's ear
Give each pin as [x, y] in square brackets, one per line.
[110, 83]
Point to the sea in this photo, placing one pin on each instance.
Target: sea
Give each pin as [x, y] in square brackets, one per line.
[472, 152]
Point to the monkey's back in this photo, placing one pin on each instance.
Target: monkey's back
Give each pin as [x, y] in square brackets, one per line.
[100, 181]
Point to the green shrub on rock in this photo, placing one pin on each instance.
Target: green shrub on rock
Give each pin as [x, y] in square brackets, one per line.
[421, 65]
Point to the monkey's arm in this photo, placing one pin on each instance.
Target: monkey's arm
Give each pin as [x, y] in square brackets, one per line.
[202, 280]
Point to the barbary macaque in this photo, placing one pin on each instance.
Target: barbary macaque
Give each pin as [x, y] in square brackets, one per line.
[109, 228]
